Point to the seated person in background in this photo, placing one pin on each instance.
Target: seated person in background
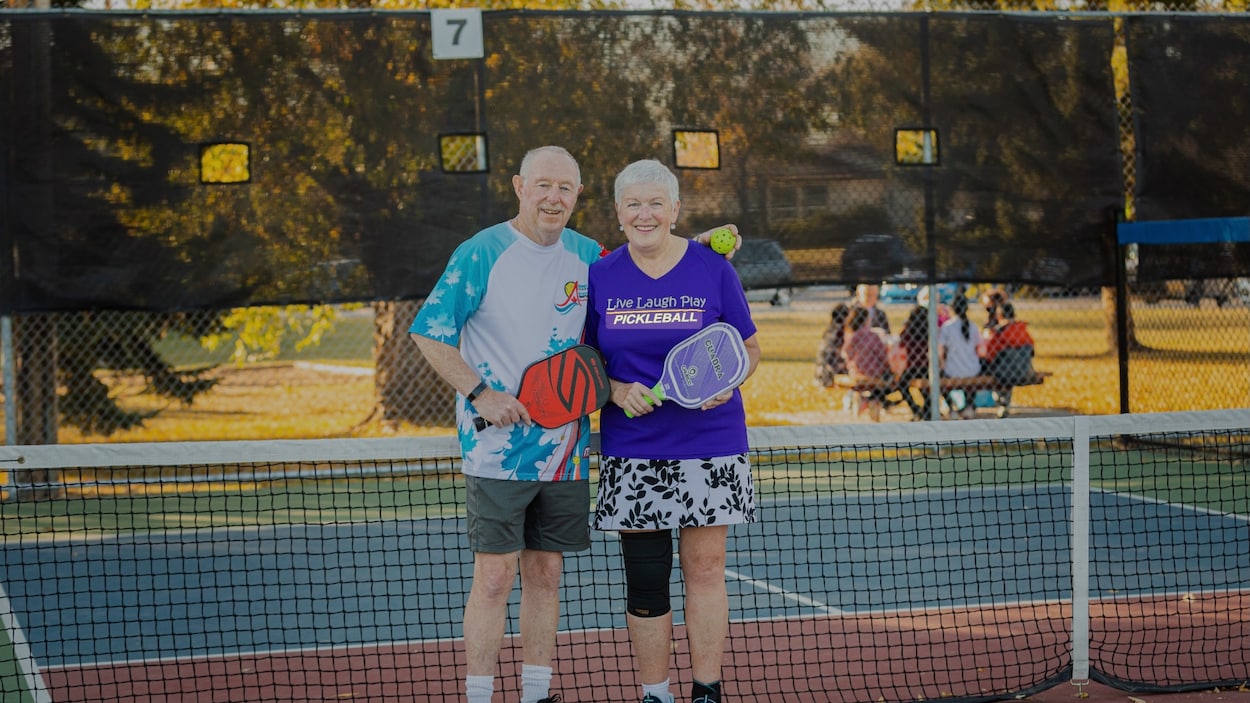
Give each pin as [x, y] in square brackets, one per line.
[866, 297]
[993, 300]
[865, 353]
[943, 310]
[958, 340]
[829, 359]
[1008, 355]
[914, 341]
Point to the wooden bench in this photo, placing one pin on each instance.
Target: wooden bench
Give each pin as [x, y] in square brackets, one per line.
[972, 384]
[859, 384]
[968, 384]
[980, 383]
[863, 384]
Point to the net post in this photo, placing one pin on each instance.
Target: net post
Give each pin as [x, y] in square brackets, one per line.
[1080, 550]
[1121, 313]
[935, 369]
[9, 379]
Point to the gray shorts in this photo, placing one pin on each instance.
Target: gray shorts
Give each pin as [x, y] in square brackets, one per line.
[508, 516]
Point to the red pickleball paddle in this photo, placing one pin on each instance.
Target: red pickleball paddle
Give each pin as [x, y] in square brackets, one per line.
[563, 387]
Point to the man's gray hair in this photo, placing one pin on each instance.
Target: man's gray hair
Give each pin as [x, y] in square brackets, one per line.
[528, 161]
[646, 171]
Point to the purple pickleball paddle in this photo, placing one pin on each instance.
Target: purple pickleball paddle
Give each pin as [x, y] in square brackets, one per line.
[704, 365]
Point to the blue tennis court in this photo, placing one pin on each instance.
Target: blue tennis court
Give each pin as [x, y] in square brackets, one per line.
[213, 592]
[891, 564]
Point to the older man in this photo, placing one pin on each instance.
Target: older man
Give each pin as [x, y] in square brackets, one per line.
[510, 295]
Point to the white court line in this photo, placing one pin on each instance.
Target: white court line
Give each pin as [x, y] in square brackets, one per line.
[21, 652]
[762, 585]
[797, 598]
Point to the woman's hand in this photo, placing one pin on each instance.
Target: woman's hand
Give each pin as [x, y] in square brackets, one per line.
[634, 398]
[705, 238]
[718, 400]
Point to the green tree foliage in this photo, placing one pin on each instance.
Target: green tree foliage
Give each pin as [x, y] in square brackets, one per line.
[341, 133]
[332, 128]
[1204, 149]
[1021, 160]
[118, 159]
[763, 86]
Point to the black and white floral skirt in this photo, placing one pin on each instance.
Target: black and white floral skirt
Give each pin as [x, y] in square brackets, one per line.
[655, 494]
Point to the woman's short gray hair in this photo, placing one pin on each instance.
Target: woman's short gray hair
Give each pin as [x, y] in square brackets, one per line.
[646, 171]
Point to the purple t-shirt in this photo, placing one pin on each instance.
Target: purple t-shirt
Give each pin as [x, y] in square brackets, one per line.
[634, 320]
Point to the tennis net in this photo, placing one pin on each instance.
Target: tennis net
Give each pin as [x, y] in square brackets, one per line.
[973, 561]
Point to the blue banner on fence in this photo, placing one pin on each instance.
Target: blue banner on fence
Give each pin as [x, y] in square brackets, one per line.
[1212, 230]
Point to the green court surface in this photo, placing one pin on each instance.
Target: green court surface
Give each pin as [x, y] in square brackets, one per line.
[142, 507]
[16, 684]
[129, 503]
[12, 682]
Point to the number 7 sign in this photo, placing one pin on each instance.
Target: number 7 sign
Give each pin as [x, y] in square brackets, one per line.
[456, 34]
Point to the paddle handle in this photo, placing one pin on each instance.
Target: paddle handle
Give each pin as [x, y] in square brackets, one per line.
[658, 391]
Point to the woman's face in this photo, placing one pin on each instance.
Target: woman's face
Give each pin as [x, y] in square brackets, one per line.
[646, 213]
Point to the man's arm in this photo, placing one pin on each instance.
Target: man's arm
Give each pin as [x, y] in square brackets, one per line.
[447, 362]
[496, 407]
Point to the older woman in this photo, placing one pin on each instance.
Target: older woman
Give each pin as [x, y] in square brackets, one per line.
[668, 467]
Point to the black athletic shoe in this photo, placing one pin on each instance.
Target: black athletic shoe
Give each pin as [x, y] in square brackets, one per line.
[705, 694]
[553, 698]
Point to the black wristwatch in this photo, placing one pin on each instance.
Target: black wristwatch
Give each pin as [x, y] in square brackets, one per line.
[477, 390]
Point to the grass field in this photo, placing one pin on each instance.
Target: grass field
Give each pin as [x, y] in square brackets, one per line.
[1196, 358]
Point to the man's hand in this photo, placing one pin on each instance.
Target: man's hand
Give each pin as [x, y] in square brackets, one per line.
[705, 238]
[500, 409]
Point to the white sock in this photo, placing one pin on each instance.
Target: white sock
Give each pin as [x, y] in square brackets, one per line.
[659, 690]
[479, 689]
[535, 682]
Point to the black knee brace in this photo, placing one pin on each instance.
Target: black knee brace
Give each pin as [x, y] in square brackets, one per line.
[648, 558]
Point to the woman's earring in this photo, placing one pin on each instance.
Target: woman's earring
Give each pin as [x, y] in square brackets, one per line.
[621, 227]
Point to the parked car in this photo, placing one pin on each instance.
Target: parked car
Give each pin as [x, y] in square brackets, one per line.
[764, 271]
[1223, 291]
[907, 292]
[873, 257]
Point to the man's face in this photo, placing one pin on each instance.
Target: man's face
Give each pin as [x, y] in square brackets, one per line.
[547, 193]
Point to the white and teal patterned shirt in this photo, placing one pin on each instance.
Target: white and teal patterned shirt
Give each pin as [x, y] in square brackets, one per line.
[507, 302]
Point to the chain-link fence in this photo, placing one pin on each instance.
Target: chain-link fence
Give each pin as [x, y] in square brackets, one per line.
[1190, 349]
[839, 178]
[1182, 354]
